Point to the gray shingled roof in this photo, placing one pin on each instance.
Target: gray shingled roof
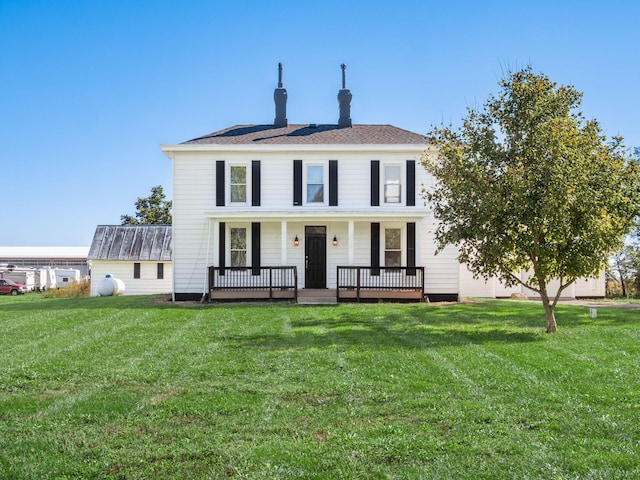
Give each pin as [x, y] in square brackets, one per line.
[131, 242]
[311, 134]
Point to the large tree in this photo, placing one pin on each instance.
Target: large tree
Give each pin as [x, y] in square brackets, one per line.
[527, 184]
[151, 210]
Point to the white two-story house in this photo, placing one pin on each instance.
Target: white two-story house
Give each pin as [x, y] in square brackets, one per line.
[267, 211]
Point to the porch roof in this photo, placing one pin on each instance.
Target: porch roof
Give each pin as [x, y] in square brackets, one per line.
[223, 215]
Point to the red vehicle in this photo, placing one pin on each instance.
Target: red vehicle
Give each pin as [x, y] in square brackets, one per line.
[11, 288]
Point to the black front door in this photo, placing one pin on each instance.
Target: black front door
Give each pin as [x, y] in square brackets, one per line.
[315, 251]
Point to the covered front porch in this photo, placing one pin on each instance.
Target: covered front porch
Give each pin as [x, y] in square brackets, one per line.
[276, 255]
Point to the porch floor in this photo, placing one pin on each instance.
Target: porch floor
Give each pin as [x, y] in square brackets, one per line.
[323, 296]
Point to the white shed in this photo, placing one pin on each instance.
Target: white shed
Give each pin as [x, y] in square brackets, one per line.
[139, 255]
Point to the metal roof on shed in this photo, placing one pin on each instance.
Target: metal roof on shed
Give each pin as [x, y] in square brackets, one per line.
[132, 242]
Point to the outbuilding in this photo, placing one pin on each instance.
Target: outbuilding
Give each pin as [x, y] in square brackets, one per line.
[139, 255]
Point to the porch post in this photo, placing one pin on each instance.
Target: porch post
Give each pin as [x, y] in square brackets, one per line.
[216, 242]
[351, 243]
[418, 245]
[283, 243]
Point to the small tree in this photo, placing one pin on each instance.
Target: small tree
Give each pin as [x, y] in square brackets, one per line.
[622, 269]
[528, 184]
[151, 210]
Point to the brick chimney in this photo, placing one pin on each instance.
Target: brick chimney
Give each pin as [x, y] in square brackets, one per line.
[344, 101]
[280, 97]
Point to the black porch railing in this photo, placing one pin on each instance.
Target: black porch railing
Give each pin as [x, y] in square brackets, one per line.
[253, 282]
[380, 282]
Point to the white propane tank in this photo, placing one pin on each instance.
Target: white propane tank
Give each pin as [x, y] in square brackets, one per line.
[110, 286]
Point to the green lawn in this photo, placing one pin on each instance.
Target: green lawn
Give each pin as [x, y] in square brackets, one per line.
[136, 387]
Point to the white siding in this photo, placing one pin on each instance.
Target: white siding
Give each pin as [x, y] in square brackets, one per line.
[470, 287]
[475, 287]
[193, 194]
[148, 283]
[195, 245]
[591, 287]
[196, 241]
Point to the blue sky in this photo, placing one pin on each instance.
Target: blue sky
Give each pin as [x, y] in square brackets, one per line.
[89, 90]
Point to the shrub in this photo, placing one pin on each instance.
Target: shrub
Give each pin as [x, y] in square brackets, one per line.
[77, 290]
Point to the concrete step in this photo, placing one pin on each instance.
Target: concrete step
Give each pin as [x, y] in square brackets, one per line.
[308, 300]
[317, 297]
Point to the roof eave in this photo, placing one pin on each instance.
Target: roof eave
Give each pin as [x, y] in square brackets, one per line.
[400, 147]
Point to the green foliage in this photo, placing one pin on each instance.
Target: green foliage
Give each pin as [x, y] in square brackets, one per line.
[623, 275]
[528, 184]
[137, 387]
[151, 210]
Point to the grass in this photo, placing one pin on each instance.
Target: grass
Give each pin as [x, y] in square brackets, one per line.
[135, 387]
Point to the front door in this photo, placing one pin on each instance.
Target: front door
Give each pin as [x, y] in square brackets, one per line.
[315, 255]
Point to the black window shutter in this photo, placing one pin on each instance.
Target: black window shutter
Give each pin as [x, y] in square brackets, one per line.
[221, 246]
[375, 249]
[411, 248]
[333, 183]
[255, 183]
[375, 183]
[297, 182]
[219, 183]
[255, 248]
[411, 183]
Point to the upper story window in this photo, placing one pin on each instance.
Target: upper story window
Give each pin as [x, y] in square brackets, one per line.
[392, 247]
[238, 247]
[238, 184]
[392, 184]
[315, 184]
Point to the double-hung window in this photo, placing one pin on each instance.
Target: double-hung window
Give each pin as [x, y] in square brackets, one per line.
[238, 183]
[392, 247]
[238, 247]
[315, 184]
[392, 184]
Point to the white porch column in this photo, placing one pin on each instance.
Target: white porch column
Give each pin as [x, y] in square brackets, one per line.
[283, 243]
[351, 243]
[215, 239]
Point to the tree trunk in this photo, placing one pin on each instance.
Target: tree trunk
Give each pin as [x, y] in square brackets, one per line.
[621, 272]
[552, 327]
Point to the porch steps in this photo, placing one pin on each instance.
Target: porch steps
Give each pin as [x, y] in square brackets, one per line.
[317, 297]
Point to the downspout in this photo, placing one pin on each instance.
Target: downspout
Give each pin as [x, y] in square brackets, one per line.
[173, 237]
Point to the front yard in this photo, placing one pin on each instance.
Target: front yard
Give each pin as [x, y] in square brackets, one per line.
[136, 387]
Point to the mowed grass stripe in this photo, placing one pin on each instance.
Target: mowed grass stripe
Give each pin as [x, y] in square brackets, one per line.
[564, 409]
[60, 327]
[49, 360]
